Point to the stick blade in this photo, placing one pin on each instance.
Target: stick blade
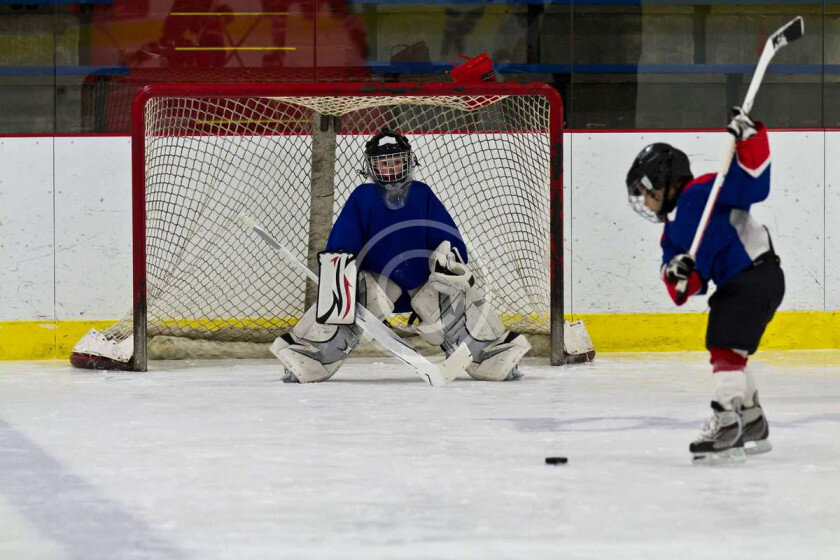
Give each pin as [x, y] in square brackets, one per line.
[456, 363]
[432, 375]
[792, 31]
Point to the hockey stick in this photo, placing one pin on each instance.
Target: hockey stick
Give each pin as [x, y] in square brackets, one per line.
[432, 374]
[789, 32]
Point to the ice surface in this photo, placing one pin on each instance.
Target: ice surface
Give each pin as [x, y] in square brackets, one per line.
[220, 459]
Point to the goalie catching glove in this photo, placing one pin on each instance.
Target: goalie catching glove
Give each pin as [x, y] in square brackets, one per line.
[448, 272]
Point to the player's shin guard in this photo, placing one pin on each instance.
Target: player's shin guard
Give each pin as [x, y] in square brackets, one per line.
[449, 319]
[313, 352]
[728, 374]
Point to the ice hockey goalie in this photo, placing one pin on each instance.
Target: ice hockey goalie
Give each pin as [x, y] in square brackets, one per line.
[395, 249]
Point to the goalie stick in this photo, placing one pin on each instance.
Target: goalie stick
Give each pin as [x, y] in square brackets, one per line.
[432, 374]
[789, 32]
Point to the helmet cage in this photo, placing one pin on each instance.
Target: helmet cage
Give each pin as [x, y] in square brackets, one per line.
[389, 162]
[390, 169]
[636, 193]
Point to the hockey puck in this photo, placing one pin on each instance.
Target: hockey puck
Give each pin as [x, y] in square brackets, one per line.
[556, 460]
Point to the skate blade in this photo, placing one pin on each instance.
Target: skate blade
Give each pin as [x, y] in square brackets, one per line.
[757, 447]
[734, 455]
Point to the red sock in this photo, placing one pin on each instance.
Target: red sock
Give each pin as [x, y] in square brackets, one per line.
[728, 374]
[726, 359]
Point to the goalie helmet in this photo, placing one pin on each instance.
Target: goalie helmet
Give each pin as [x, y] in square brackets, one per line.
[660, 171]
[390, 165]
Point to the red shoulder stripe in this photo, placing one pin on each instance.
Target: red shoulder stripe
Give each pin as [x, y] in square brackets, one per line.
[701, 180]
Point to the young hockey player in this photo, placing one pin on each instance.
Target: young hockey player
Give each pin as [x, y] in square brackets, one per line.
[411, 258]
[737, 254]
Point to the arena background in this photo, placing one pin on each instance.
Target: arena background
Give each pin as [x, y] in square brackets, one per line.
[629, 73]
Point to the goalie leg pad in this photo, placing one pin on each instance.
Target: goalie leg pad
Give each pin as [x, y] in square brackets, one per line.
[483, 322]
[313, 352]
[466, 317]
[302, 362]
[425, 301]
[498, 360]
[448, 320]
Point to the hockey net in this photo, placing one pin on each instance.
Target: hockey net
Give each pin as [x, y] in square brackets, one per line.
[289, 156]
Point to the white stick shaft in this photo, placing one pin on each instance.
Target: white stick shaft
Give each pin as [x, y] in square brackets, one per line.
[710, 203]
[770, 48]
[758, 76]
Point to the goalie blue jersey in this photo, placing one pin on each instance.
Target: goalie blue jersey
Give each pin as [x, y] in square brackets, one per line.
[733, 238]
[395, 243]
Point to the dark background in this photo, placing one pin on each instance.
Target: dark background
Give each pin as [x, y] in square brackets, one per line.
[73, 67]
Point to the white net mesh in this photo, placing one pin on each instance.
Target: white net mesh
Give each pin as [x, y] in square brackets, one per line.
[210, 159]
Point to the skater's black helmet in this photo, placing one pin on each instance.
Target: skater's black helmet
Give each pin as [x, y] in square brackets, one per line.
[660, 171]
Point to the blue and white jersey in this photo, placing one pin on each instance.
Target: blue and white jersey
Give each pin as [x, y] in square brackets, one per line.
[733, 238]
[395, 242]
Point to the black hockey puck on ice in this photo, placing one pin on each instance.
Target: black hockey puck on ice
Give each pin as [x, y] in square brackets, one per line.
[556, 460]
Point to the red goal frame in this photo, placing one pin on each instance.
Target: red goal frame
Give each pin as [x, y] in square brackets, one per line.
[139, 360]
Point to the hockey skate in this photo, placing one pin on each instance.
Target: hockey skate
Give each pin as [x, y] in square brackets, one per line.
[515, 374]
[722, 438]
[756, 430]
[289, 376]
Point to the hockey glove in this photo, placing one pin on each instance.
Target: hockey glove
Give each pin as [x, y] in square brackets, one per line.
[681, 278]
[741, 126]
[679, 268]
[448, 272]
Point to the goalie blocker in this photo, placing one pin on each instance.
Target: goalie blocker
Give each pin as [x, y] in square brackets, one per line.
[337, 285]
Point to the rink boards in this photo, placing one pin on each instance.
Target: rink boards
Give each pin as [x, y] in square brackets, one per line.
[66, 240]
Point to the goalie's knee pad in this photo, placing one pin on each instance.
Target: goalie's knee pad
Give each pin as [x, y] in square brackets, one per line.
[448, 320]
[378, 293]
[314, 352]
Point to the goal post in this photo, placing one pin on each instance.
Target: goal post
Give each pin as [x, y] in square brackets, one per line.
[290, 155]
